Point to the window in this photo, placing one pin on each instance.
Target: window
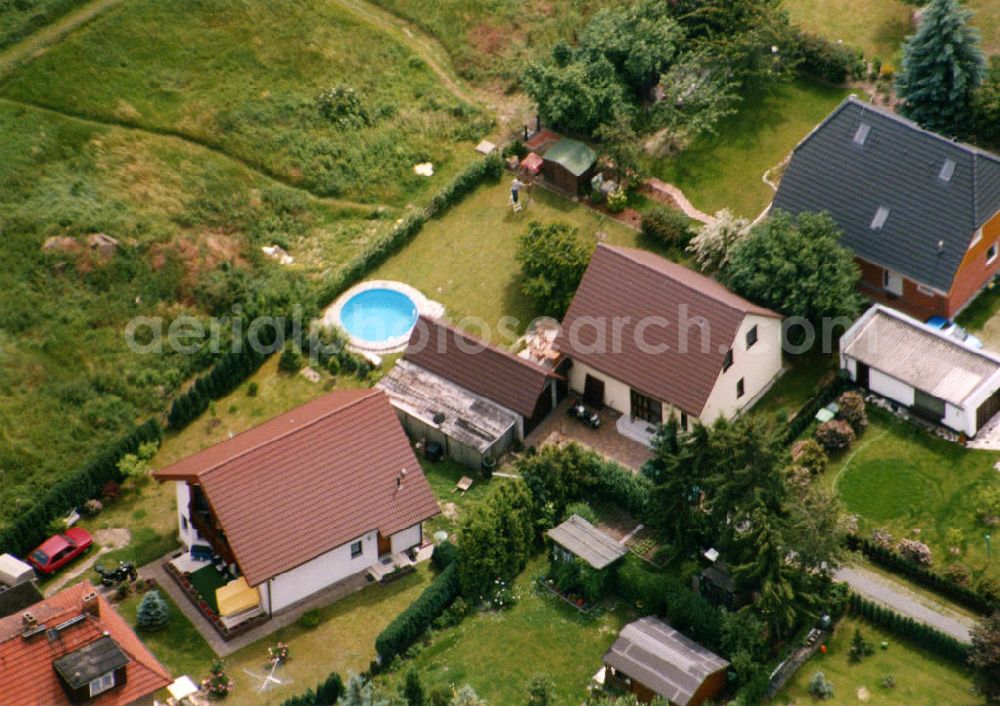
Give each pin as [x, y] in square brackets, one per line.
[947, 170]
[184, 523]
[861, 134]
[646, 408]
[926, 291]
[102, 684]
[751, 337]
[684, 420]
[356, 549]
[728, 362]
[991, 254]
[739, 388]
[881, 216]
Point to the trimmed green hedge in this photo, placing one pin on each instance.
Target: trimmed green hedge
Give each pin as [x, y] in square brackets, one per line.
[964, 595]
[807, 413]
[327, 693]
[909, 629]
[30, 528]
[413, 622]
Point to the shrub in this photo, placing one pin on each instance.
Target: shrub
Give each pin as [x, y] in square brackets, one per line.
[409, 625]
[860, 647]
[582, 509]
[444, 554]
[252, 389]
[110, 490]
[852, 410]
[291, 359]
[917, 552]
[882, 538]
[888, 681]
[217, 684]
[153, 612]
[714, 241]
[342, 105]
[667, 226]
[820, 687]
[959, 573]
[829, 61]
[93, 507]
[617, 201]
[810, 455]
[553, 258]
[909, 629]
[835, 435]
[989, 588]
[310, 619]
[540, 691]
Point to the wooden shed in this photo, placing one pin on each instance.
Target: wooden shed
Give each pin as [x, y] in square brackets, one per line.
[569, 165]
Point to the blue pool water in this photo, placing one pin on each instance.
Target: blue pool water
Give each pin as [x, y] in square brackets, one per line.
[376, 315]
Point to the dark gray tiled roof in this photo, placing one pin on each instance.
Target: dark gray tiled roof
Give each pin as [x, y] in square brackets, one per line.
[87, 663]
[930, 222]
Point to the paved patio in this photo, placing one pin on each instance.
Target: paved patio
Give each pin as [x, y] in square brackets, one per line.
[605, 440]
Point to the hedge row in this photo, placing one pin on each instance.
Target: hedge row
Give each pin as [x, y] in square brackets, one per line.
[669, 597]
[375, 254]
[964, 595]
[807, 413]
[29, 528]
[413, 622]
[830, 61]
[327, 693]
[909, 629]
[632, 491]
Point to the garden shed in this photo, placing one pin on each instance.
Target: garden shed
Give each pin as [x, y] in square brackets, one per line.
[578, 538]
[568, 165]
[650, 658]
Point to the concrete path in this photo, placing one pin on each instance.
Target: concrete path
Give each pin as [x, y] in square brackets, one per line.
[879, 589]
[662, 191]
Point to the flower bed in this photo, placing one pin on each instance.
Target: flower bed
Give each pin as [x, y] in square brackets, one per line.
[192, 594]
[572, 599]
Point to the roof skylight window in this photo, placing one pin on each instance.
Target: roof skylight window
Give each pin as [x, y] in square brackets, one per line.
[881, 215]
[862, 133]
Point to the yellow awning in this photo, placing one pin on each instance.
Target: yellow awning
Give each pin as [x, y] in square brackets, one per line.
[235, 597]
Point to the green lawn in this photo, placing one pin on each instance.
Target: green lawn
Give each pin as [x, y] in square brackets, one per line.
[725, 170]
[498, 653]
[442, 477]
[898, 477]
[466, 259]
[19, 18]
[921, 678]
[179, 646]
[877, 27]
[245, 78]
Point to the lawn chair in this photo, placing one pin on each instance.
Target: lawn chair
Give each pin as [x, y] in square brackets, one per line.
[464, 483]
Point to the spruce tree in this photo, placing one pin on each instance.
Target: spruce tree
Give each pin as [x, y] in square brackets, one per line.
[413, 690]
[942, 66]
[153, 612]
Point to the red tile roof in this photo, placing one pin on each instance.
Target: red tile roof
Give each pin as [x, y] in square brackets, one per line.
[27, 677]
[623, 286]
[310, 480]
[509, 380]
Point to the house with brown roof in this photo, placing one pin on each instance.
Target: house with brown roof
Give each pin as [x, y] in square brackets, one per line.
[650, 338]
[472, 398]
[73, 648]
[306, 499]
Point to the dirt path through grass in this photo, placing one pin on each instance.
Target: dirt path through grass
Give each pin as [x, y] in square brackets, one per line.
[27, 47]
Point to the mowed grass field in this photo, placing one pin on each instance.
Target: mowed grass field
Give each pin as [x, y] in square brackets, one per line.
[921, 678]
[243, 76]
[19, 18]
[898, 477]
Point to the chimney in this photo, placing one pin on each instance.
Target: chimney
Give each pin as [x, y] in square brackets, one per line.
[90, 604]
[29, 620]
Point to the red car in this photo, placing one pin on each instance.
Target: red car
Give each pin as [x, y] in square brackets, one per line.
[60, 549]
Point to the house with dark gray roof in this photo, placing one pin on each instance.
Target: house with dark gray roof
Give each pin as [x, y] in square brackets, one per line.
[650, 658]
[920, 212]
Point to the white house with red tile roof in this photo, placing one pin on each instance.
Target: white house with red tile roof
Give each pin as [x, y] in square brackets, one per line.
[73, 648]
[308, 498]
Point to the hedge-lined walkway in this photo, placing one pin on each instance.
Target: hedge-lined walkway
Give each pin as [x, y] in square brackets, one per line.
[881, 590]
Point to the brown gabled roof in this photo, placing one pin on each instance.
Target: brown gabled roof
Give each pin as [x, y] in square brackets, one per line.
[27, 677]
[310, 480]
[507, 379]
[624, 286]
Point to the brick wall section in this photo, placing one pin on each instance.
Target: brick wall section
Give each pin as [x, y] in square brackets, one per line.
[974, 273]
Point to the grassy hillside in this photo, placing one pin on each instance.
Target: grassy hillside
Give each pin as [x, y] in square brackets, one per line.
[19, 18]
[182, 215]
[244, 76]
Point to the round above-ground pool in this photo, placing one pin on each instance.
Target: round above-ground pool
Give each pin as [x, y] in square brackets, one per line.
[378, 315]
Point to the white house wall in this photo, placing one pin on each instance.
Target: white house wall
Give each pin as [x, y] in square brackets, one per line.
[408, 538]
[314, 575]
[959, 419]
[188, 535]
[616, 393]
[890, 387]
[758, 366]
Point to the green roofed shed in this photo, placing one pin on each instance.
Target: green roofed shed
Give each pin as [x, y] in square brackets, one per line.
[569, 165]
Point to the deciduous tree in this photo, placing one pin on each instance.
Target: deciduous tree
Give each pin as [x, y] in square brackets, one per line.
[553, 258]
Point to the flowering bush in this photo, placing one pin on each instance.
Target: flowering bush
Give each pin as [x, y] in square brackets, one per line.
[808, 454]
[835, 435]
[882, 537]
[503, 597]
[917, 552]
[277, 653]
[852, 411]
[959, 573]
[617, 201]
[92, 507]
[217, 684]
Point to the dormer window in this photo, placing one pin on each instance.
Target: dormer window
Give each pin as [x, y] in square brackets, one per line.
[102, 684]
[881, 215]
[861, 134]
[947, 170]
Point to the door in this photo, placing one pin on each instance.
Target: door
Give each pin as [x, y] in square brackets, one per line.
[928, 406]
[861, 374]
[384, 545]
[892, 282]
[593, 391]
[646, 408]
[987, 409]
